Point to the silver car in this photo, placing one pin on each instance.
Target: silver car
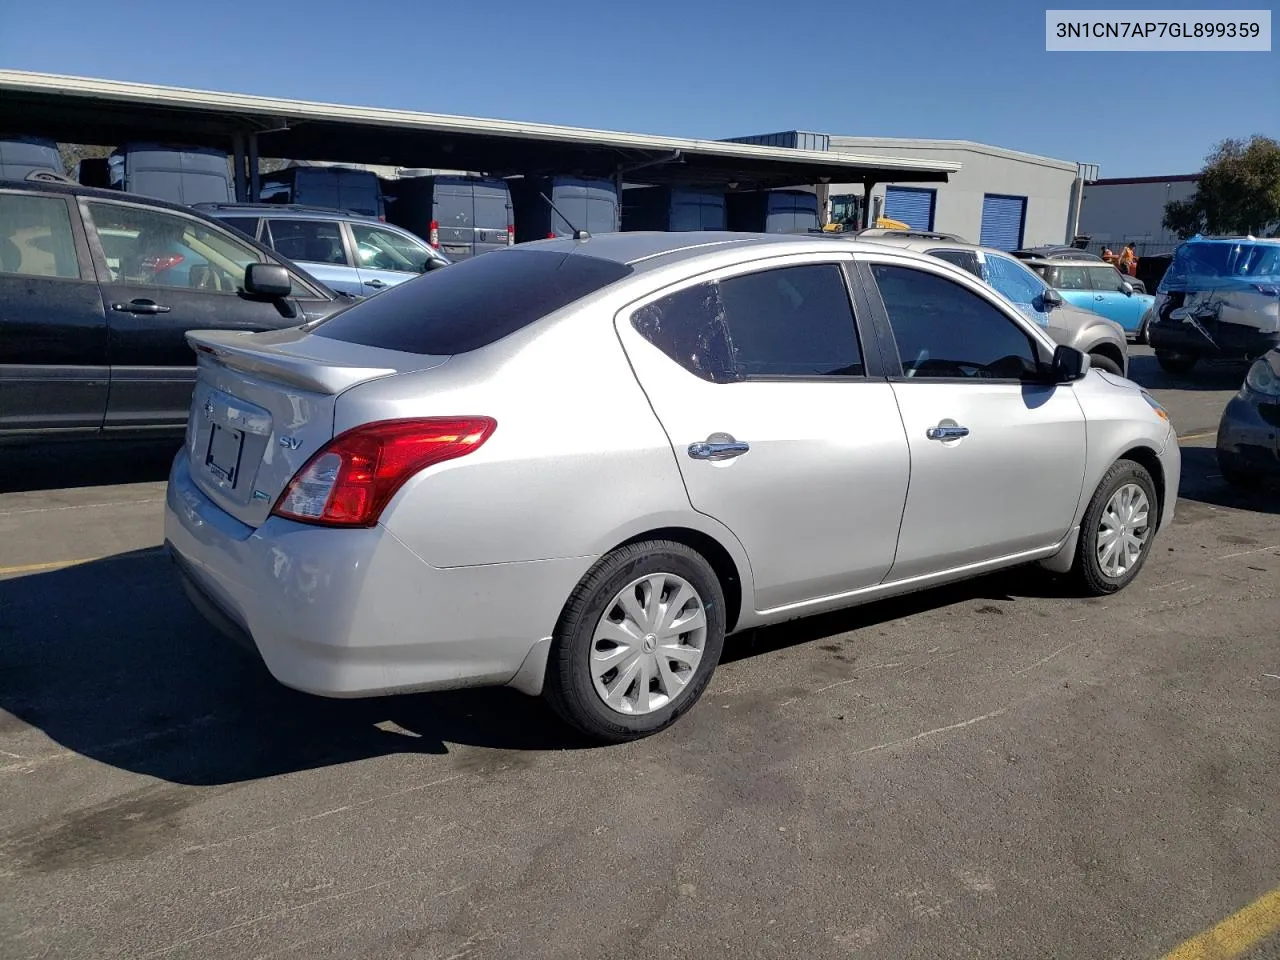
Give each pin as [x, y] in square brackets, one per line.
[1104, 340]
[575, 466]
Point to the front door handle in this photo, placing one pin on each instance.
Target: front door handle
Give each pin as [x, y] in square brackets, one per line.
[1098, 296]
[140, 306]
[718, 446]
[946, 433]
[376, 284]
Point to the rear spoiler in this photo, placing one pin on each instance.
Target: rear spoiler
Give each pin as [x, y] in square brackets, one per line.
[265, 356]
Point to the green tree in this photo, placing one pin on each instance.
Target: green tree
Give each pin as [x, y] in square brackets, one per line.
[1238, 191]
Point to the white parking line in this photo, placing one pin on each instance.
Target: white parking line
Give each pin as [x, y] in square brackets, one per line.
[79, 506]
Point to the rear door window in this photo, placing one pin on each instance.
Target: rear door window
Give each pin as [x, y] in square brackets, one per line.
[312, 241]
[787, 322]
[470, 304]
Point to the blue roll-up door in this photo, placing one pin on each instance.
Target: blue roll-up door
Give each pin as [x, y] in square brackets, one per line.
[911, 205]
[1002, 221]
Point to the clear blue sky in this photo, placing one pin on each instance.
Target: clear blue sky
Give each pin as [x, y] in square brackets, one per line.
[690, 68]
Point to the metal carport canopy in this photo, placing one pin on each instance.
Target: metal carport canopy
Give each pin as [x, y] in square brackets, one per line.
[85, 110]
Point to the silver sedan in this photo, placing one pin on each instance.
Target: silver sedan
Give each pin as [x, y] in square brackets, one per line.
[575, 466]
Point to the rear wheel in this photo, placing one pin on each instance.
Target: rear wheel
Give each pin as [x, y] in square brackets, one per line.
[1173, 362]
[637, 642]
[1117, 529]
[1102, 362]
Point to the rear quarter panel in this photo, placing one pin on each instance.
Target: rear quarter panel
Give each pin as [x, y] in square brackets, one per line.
[578, 464]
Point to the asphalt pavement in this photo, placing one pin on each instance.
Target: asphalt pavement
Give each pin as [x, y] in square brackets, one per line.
[995, 769]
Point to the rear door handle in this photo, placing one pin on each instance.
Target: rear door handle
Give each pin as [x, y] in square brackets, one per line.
[376, 284]
[714, 448]
[946, 433]
[140, 306]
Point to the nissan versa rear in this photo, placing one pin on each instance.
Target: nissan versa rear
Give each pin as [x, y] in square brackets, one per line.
[574, 466]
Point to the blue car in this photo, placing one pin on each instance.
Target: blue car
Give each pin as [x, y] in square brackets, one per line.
[351, 253]
[1101, 288]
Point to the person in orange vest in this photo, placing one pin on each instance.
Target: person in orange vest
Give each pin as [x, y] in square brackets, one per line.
[1129, 260]
[1108, 254]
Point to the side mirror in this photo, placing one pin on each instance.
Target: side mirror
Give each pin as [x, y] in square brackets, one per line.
[268, 280]
[1127, 288]
[1069, 364]
[1051, 297]
[433, 263]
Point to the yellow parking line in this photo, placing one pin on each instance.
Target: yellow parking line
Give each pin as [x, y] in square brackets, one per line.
[1197, 436]
[1237, 934]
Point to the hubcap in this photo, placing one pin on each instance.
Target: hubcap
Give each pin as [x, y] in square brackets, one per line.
[1124, 530]
[648, 644]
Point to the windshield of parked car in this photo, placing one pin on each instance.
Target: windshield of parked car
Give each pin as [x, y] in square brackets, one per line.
[474, 303]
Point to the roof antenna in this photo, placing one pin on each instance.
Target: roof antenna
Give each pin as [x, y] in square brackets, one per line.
[577, 234]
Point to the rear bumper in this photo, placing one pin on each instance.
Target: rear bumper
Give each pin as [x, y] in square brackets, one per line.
[1211, 338]
[350, 613]
[1249, 436]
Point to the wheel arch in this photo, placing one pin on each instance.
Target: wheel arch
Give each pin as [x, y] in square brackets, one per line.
[1149, 459]
[1111, 351]
[714, 552]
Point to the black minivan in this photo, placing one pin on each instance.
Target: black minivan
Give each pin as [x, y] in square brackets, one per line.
[97, 292]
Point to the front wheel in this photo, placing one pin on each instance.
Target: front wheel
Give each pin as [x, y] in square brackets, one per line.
[1172, 362]
[637, 641]
[1102, 362]
[1117, 530]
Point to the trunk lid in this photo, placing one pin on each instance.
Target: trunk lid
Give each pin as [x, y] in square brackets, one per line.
[264, 404]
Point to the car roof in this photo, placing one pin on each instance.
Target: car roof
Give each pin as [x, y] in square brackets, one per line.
[79, 190]
[643, 250]
[925, 245]
[296, 210]
[1068, 262]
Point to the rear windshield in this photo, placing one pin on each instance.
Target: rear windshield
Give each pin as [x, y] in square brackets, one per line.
[473, 303]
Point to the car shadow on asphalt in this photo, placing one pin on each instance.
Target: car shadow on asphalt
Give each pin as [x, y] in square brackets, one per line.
[58, 466]
[1202, 482]
[1003, 585]
[109, 660]
[1206, 376]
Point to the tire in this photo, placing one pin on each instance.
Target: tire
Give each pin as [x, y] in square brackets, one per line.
[1088, 571]
[1176, 363]
[1105, 363]
[572, 687]
[1143, 338]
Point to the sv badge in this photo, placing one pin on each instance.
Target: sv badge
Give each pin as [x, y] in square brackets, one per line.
[290, 443]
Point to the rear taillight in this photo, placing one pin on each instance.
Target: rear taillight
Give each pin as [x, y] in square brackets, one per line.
[434, 237]
[511, 234]
[551, 235]
[351, 479]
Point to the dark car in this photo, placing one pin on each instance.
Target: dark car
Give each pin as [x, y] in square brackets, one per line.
[97, 292]
[1249, 432]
